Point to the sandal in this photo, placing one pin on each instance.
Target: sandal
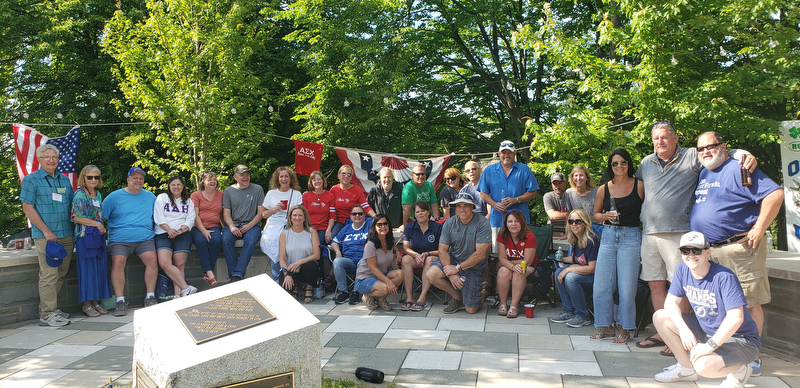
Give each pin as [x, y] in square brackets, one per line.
[418, 306]
[621, 339]
[309, 296]
[513, 312]
[666, 351]
[502, 310]
[600, 335]
[406, 306]
[210, 280]
[384, 304]
[653, 342]
[100, 309]
[370, 303]
[328, 281]
[90, 311]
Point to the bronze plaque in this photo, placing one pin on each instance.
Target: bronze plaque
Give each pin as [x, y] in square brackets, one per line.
[226, 315]
[283, 380]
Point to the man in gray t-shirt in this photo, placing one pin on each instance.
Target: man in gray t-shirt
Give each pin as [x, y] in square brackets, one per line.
[463, 248]
[241, 214]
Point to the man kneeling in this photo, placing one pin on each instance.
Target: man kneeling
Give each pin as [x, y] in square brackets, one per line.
[721, 336]
[463, 246]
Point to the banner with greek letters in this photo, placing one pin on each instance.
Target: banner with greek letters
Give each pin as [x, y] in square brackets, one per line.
[790, 163]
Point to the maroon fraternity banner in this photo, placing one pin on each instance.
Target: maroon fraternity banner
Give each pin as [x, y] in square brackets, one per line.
[307, 157]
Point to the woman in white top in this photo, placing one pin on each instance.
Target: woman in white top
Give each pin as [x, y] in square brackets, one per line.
[284, 193]
[299, 252]
[174, 216]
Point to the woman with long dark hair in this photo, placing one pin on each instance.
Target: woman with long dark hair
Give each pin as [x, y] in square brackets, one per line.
[174, 216]
[515, 244]
[374, 280]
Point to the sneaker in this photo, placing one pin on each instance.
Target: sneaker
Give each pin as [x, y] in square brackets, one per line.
[189, 291]
[370, 303]
[676, 373]
[577, 321]
[737, 379]
[563, 317]
[454, 306]
[121, 308]
[150, 301]
[342, 297]
[355, 297]
[62, 314]
[54, 320]
[756, 366]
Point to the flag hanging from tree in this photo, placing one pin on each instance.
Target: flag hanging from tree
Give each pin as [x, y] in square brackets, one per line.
[307, 157]
[367, 165]
[27, 140]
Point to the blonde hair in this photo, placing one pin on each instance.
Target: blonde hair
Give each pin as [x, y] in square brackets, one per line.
[306, 221]
[82, 176]
[589, 180]
[454, 171]
[582, 240]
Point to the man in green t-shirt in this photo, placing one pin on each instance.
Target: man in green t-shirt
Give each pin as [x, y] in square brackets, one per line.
[419, 189]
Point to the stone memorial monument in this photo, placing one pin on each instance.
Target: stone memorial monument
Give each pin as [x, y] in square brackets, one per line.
[250, 333]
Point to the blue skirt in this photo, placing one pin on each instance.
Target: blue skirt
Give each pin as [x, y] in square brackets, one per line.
[92, 272]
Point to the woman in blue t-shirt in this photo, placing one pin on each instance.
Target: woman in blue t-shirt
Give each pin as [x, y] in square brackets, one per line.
[574, 281]
[420, 247]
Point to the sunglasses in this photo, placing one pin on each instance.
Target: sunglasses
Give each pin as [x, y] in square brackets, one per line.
[450, 178]
[708, 147]
[346, 174]
[575, 222]
[623, 163]
[419, 174]
[357, 214]
[661, 122]
[92, 177]
[381, 224]
[695, 251]
[464, 196]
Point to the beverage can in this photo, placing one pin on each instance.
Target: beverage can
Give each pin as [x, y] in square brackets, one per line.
[524, 265]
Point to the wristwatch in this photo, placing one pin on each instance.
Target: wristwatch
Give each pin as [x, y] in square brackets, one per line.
[711, 343]
[458, 267]
[517, 198]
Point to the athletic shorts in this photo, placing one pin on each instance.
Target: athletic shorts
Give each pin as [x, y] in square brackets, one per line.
[734, 351]
[471, 290]
[131, 248]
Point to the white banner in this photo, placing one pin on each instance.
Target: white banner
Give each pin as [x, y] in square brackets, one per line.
[790, 163]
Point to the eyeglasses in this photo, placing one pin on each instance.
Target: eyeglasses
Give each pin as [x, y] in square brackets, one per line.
[695, 251]
[708, 147]
[419, 174]
[357, 214]
[575, 222]
[381, 224]
[346, 174]
[623, 163]
[450, 178]
[92, 177]
[49, 158]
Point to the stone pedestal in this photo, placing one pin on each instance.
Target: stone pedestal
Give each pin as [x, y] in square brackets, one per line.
[165, 355]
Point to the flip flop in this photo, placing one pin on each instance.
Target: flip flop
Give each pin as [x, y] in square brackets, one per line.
[406, 306]
[417, 306]
[666, 352]
[653, 343]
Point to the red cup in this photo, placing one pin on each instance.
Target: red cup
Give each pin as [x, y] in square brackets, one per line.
[529, 310]
[284, 204]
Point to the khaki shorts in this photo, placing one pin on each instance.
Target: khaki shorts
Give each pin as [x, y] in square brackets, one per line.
[750, 268]
[660, 255]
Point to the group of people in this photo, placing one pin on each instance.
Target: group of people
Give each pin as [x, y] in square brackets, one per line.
[674, 190]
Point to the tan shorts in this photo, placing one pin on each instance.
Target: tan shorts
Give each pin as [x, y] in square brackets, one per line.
[660, 255]
[751, 269]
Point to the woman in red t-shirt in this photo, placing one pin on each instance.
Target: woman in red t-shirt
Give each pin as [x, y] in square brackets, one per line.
[319, 203]
[346, 196]
[515, 243]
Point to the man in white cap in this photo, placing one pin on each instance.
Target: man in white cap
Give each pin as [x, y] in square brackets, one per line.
[46, 197]
[463, 249]
[507, 185]
[556, 205]
[129, 214]
[721, 337]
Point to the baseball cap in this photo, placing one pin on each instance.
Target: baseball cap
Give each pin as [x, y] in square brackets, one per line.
[556, 177]
[240, 169]
[55, 254]
[136, 169]
[507, 145]
[463, 198]
[694, 240]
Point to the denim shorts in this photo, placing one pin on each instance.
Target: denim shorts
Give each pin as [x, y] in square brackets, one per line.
[364, 286]
[116, 248]
[180, 244]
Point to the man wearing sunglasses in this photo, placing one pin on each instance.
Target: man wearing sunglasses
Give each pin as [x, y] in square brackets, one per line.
[419, 189]
[669, 175]
[734, 217]
[720, 337]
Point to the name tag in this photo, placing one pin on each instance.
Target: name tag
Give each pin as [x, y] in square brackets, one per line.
[96, 203]
[57, 197]
[61, 190]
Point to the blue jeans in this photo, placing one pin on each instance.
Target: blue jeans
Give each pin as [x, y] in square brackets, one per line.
[275, 267]
[573, 292]
[207, 251]
[617, 268]
[238, 265]
[341, 267]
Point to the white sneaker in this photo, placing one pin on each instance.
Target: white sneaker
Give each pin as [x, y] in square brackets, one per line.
[676, 373]
[189, 291]
[54, 320]
[737, 379]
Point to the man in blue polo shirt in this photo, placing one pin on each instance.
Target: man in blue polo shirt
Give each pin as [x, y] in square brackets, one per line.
[507, 185]
[46, 200]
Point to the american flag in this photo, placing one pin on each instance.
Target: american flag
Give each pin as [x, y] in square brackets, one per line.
[366, 167]
[27, 139]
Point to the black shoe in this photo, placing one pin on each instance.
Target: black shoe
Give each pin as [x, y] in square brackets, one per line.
[235, 278]
[355, 297]
[342, 297]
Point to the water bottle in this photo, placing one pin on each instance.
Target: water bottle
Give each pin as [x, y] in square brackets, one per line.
[769, 242]
[559, 254]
